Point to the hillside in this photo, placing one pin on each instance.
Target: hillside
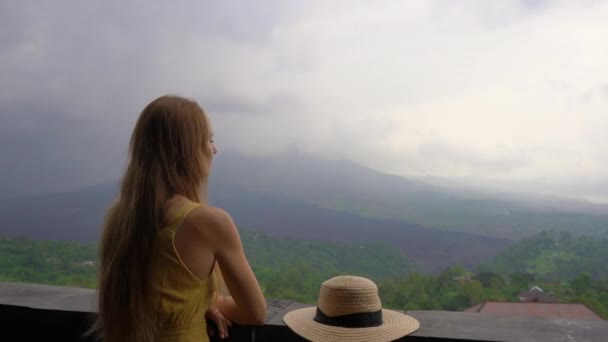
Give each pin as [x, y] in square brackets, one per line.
[431, 250]
[554, 255]
[77, 216]
[71, 216]
[293, 269]
[288, 268]
[337, 185]
[314, 199]
[346, 186]
[279, 264]
[374, 260]
[47, 262]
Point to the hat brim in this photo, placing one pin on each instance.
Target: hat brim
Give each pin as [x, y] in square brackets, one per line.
[395, 325]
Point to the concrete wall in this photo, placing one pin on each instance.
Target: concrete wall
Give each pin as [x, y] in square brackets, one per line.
[30, 312]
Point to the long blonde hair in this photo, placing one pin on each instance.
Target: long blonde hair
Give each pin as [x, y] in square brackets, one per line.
[169, 154]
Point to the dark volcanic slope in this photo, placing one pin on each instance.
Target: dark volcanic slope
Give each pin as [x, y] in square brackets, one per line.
[431, 249]
[75, 216]
[78, 216]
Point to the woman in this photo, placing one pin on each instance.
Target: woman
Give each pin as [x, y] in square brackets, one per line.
[163, 247]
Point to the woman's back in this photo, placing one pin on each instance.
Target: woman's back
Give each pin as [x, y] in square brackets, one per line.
[183, 296]
[160, 249]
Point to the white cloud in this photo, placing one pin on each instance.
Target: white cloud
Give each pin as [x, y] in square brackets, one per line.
[508, 90]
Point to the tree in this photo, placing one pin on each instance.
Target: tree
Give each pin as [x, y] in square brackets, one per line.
[490, 279]
[521, 280]
[473, 292]
[581, 283]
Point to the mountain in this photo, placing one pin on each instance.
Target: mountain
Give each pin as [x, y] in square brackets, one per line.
[346, 186]
[430, 249]
[77, 216]
[73, 215]
[313, 199]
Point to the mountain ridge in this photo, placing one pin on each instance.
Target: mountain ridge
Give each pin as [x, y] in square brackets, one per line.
[313, 199]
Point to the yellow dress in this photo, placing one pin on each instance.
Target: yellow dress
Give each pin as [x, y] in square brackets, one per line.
[184, 298]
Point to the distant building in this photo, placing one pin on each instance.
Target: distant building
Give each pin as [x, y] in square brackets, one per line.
[536, 295]
[555, 310]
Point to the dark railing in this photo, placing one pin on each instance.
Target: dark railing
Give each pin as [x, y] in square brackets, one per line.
[30, 312]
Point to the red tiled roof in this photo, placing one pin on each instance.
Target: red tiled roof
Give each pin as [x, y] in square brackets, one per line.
[557, 310]
[537, 297]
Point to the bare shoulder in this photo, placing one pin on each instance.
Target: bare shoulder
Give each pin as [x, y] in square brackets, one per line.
[207, 218]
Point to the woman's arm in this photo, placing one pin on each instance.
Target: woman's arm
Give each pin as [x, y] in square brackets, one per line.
[229, 308]
[246, 305]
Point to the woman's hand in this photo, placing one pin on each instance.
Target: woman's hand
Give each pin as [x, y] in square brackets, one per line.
[221, 322]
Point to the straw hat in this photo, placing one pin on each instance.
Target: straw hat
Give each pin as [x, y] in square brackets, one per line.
[349, 309]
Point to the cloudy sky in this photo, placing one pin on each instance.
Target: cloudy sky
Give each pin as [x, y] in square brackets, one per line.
[506, 93]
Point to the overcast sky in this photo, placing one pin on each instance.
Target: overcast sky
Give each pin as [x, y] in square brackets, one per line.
[508, 93]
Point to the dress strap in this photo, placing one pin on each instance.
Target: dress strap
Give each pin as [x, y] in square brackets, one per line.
[183, 212]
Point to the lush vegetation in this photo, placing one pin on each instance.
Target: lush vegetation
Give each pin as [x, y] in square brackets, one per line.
[286, 268]
[457, 289]
[295, 269]
[48, 262]
[553, 256]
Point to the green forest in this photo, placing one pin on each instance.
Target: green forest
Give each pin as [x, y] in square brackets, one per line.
[553, 256]
[572, 268]
[48, 262]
